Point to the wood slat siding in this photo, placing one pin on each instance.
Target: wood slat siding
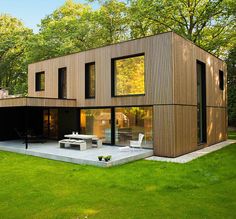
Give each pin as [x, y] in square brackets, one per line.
[158, 73]
[50, 67]
[170, 87]
[12, 102]
[185, 85]
[164, 130]
[36, 102]
[217, 125]
[185, 55]
[44, 102]
[185, 129]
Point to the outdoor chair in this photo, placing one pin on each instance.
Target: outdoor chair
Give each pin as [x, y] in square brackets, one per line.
[133, 144]
[137, 144]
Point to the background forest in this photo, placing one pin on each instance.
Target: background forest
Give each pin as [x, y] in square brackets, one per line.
[75, 27]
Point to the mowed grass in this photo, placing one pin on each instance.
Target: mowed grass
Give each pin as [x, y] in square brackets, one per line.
[32, 187]
[232, 135]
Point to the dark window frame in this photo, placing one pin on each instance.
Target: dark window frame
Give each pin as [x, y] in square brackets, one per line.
[114, 121]
[113, 89]
[112, 117]
[221, 80]
[60, 89]
[38, 85]
[87, 80]
[111, 108]
[202, 108]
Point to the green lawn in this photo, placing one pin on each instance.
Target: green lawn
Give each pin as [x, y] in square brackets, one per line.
[32, 187]
[232, 135]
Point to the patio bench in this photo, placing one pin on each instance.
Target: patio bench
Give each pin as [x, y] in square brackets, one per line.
[98, 142]
[70, 142]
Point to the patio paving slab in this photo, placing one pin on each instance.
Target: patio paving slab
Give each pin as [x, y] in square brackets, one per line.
[193, 155]
[51, 150]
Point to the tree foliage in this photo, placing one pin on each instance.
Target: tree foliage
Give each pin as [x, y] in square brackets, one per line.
[68, 29]
[231, 63]
[112, 22]
[13, 55]
[208, 23]
[76, 27]
[129, 76]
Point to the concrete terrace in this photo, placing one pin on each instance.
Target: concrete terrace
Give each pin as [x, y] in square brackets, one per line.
[51, 150]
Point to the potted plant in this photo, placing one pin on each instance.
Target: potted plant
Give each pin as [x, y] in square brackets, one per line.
[100, 158]
[107, 158]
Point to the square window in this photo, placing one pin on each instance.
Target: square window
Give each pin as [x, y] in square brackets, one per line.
[128, 76]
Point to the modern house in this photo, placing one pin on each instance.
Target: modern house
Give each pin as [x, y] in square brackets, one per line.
[163, 86]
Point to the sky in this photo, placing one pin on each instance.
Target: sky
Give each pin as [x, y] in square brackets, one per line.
[30, 12]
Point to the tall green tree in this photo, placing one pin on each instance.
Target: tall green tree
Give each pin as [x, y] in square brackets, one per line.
[68, 29]
[13, 56]
[76, 27]
[208, 23]
[112, 22]
[231, 63]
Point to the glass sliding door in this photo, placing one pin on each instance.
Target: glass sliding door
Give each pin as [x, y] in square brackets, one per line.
[50, 123]
[130, 121]
[96, 122]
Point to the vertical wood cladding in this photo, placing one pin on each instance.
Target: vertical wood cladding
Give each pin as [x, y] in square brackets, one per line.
[164, 130]
[158, 73]
[185, 96]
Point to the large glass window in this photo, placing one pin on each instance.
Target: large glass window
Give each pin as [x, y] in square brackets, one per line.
[128, 76]
[40, 81]
[130, 121]
[62, 82]
[201, 102]
[90, 80]
[96, 122]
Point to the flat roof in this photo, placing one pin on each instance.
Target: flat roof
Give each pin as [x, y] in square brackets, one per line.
[36, 102]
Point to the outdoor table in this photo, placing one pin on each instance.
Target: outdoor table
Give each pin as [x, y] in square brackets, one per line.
[86, 138]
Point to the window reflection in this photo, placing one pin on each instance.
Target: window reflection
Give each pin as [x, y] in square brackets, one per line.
[90, 80]
[129, 76]
[130, 121]
[96, 122]
[50, 123]
[40, 81]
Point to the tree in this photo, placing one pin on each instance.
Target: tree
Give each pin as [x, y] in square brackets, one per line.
[68, 29]
[13, 60]
[111, 22]
[208, 23]
[231, 63]
[76, 27]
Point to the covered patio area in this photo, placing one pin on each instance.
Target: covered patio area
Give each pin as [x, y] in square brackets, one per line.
[40, 118]
[51, 150]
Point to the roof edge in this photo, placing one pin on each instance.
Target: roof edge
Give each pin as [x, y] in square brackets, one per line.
[153, 35]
